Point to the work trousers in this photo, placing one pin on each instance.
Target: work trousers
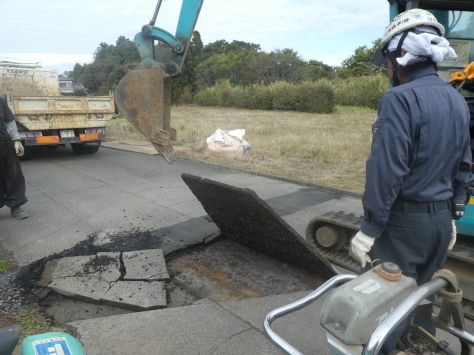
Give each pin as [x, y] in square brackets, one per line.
[12, 181]
[418, 244]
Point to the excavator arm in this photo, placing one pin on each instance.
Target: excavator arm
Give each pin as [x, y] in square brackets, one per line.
[143, 95]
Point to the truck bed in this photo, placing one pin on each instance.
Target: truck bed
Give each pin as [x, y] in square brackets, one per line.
[62, 112]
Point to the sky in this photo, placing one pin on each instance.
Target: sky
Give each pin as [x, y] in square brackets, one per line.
[60, 33]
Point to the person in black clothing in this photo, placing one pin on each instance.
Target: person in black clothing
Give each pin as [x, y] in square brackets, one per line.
[12, 181]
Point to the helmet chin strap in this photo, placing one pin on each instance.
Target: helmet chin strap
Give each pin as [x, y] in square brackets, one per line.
[393, 55]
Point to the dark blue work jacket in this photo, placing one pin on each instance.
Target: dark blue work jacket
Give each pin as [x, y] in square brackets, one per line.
[6, 116]
[420, 149]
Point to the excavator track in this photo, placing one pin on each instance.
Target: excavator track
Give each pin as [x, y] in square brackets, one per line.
[330, 234]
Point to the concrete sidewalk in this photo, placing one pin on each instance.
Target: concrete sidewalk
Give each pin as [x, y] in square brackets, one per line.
[230, 328]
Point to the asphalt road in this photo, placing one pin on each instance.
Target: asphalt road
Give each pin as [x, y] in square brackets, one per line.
[74, 196]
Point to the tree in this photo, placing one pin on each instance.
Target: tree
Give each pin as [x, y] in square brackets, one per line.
[320, 70]
[108, 66]
[220, 66]
[289, 66]
[187, 79]
[360, 63]
[257, 68]
[223, 47]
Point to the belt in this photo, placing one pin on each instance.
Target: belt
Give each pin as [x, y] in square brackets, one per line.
[401, 205]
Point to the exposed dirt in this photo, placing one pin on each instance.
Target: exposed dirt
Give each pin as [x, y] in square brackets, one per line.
[227, 271]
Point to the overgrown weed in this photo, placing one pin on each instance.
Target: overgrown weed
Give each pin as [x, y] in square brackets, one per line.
[327, 149]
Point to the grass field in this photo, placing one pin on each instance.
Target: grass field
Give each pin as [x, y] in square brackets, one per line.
[326, 149]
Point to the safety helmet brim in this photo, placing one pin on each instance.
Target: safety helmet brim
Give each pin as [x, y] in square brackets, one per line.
[379, 57]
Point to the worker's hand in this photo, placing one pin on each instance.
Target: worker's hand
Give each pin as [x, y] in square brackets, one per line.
[360, 246]
[457, 76]
[19, 150]
[469, 69]
[453, 236]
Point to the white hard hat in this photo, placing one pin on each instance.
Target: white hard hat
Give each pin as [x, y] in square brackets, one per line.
[405, 21]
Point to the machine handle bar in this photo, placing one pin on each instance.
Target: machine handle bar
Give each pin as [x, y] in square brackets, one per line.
[292, 307]
[404, 310]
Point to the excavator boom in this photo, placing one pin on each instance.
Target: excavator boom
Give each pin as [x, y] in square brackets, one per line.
[143, 95]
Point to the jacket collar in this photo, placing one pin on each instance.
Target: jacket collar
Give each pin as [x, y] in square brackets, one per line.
[422, 73]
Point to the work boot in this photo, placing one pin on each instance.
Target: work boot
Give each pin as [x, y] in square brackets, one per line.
[18, 213]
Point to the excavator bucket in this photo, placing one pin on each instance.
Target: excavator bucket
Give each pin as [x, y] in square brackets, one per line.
[143, 96]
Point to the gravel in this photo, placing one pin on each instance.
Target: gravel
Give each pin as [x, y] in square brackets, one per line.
[13, 298]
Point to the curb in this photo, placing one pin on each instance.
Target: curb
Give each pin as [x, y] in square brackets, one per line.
[293, 181]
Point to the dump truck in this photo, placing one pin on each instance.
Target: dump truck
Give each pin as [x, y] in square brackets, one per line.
[45, 118]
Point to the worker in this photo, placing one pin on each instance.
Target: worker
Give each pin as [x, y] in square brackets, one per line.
[12, 181]
[420, 157]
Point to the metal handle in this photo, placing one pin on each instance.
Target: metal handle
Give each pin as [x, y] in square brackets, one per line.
[381, 333]
[155, 15]
[292, 307]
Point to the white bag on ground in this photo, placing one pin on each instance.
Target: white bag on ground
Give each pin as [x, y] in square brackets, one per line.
[227, 143]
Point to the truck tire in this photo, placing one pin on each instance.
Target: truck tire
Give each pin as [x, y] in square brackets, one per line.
[94, 148]
[83, 148]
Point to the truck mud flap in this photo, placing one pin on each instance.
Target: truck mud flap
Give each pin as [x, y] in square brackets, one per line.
[245, 218]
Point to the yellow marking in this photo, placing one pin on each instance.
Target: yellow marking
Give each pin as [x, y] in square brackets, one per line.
[67, 106]
[89, 137]
[47, 140]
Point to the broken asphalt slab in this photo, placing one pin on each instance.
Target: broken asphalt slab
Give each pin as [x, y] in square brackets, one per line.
[131, 280]
[244, 217]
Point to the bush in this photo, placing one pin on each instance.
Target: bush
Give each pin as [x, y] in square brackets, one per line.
[207, 97]
[224, 92]
[258, 97]
[79, 93]
[283, 94]
[314, 98]
[306, 97]
[362, 91]
[186, 97]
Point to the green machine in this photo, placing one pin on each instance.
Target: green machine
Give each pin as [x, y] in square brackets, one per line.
[55, 343]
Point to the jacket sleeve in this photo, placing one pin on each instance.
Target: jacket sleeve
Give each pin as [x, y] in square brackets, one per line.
[463, 177]
[12, 130]
[387, 164]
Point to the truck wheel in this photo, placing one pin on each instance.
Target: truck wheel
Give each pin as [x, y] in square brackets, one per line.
[83, 148]
[94, 148]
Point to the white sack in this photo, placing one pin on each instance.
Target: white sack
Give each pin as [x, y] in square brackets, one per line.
[229, 143]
